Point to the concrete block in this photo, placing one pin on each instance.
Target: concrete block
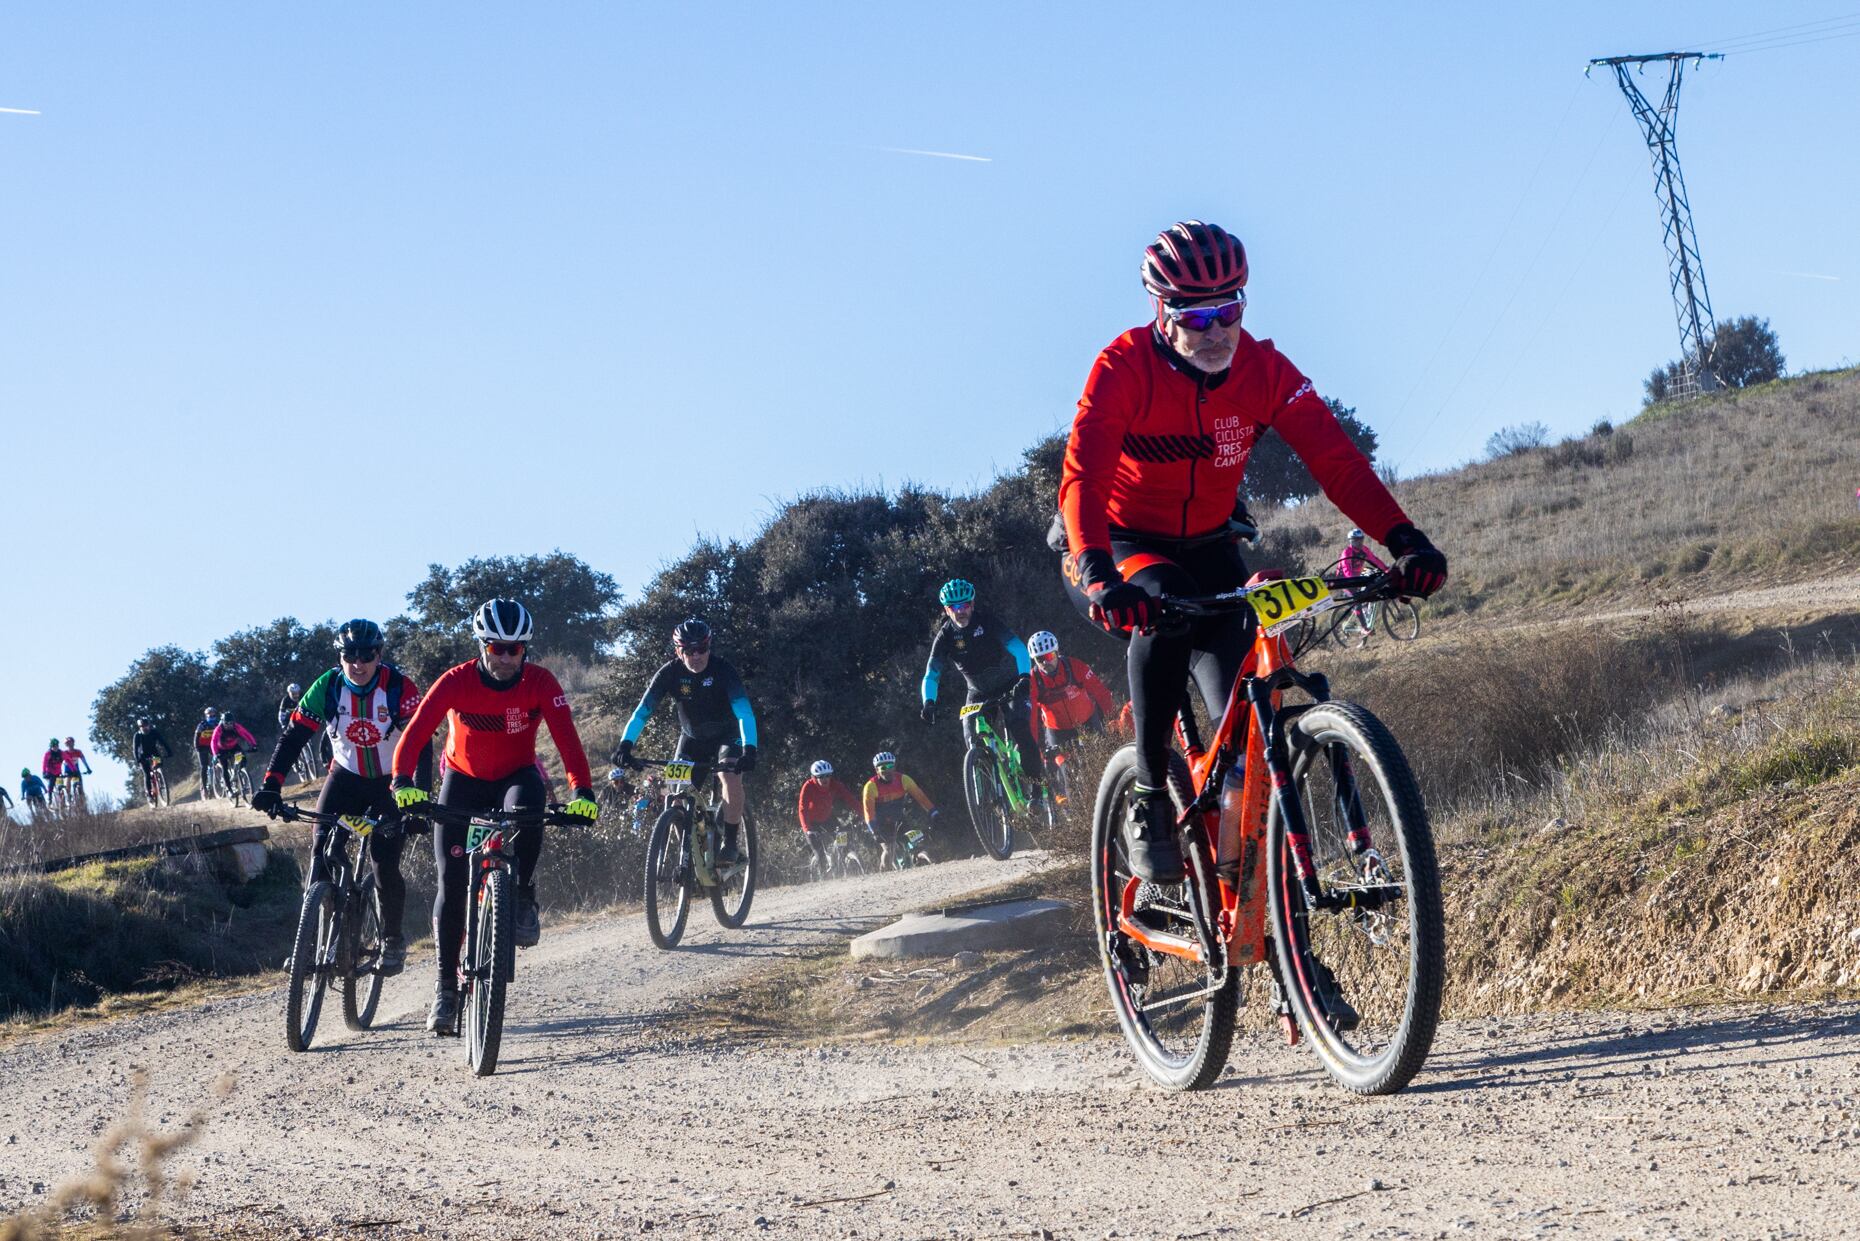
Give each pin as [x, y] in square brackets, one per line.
[242, 862]
[977, 928]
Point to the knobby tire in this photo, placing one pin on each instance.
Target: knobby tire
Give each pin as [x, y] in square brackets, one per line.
[492, 972]
[665, 878]
[303, 1000]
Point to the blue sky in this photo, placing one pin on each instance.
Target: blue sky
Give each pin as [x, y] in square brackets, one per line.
[294, 301]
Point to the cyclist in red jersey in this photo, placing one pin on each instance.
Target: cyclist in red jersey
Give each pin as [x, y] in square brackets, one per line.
[493, 704]
[1170, 413]
[822, 794]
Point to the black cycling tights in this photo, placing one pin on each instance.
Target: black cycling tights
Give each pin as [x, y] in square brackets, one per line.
[344, 792]
[1212, 649]
[521, 790]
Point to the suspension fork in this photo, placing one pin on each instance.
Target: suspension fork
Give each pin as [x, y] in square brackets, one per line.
[1270, 721]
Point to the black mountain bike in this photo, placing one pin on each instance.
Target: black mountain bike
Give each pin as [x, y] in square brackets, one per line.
[679, 857]
[488, 961]
[338, 929]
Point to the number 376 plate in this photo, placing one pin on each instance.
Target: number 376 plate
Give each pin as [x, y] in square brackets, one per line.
[1278, 604]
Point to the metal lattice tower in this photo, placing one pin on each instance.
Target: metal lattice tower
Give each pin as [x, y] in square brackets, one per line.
[1691, 300]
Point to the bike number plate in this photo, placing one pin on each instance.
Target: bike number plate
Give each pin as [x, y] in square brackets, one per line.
[969, 710]
[475, 834]
[677, 777]
[1278, 604]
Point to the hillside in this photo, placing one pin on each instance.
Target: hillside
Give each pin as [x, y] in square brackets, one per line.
[1749, 486]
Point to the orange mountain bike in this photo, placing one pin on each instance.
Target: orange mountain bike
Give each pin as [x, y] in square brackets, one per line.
[1307, 848]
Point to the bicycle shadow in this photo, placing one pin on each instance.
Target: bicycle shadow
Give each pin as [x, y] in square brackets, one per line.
[1794, 1033]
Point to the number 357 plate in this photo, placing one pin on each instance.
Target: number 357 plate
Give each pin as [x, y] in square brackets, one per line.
[1278, 604]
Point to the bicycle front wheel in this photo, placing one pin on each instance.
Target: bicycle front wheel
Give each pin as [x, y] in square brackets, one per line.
[988, 808]
[736, 887]
[1401, 619]
[491, 972]
[161, 788]
[303, 1001]
[361, 976]
[1363, 982]
[668, 881]
[1176, 1013]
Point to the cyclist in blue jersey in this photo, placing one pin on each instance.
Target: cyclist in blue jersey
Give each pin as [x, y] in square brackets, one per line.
[993, 661]
[715, 721]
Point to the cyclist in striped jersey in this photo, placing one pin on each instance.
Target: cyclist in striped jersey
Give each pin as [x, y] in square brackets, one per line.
[361, 704]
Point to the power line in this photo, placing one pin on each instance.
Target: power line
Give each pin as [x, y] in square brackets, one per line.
[1764, 35]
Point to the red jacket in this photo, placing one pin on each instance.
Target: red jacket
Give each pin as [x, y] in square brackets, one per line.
[1158, 451]
[493, 728]
[1068, 697]
[818, 799]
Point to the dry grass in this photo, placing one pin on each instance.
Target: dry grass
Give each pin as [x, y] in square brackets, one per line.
[124, 1193]
[1758, 483]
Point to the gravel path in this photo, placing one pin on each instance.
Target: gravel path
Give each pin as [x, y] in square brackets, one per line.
[1708, 1123]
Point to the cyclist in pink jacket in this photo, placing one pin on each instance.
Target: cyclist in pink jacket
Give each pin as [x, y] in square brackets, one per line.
[1357, 560]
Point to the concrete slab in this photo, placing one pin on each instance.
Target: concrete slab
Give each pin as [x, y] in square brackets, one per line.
[977, 928]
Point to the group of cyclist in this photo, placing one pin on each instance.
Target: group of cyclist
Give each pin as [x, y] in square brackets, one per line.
[57, 785]
[1147, 501]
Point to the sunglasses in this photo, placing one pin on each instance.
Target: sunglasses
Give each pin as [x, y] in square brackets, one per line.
[702, 648]
[1201, 318]
[506, 648]
[361, 654]
[885, 767]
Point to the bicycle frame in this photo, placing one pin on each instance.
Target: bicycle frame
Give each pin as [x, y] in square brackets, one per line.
[1251, 734]
[1005, 753]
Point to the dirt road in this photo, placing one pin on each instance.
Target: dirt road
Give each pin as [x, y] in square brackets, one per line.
[1706, 1123]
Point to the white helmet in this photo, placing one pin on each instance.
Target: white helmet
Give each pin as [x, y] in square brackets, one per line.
[884, 758]
[1356, 536]
[1042, 644]
[294, 690]
[821, 769]
[502, 620]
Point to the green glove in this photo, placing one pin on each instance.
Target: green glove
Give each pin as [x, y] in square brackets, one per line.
[410, 797]
[584, 806]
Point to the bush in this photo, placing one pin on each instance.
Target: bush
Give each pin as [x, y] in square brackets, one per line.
[1509, 441]
[1743, 352]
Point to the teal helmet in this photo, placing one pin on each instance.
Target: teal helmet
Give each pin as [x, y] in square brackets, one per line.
[955, 593]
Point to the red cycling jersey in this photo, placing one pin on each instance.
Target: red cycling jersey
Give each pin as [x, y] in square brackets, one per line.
[493, 727]
[819, 797]
[1161, 452]
[1066, 697]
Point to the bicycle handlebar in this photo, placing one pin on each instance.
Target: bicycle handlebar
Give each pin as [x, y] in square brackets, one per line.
[727, 764]
[552, 815]
[1367, 588]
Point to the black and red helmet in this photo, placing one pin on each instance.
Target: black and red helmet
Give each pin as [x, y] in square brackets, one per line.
[1190, 261]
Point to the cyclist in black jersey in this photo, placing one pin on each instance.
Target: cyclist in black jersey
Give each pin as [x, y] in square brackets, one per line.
[715, 721]
[993, 661]
[150, 747]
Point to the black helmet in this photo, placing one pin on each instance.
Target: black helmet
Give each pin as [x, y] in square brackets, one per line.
[692, 635]
[359, 636]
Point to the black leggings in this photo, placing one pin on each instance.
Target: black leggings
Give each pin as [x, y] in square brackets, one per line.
[1018, 710]
[1211, 648]
[521, 790]
[344, 792]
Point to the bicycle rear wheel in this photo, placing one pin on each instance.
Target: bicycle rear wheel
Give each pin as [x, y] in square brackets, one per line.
[303, 1001]
[491, 972]
[1401, 619]
[988, 808]
[1364, 983]
[729, 900]
[1177, 1014]
[160, 790]
[361, 979]
[668, 880]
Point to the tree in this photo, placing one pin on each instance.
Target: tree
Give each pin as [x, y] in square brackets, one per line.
[572, 603]
[167, 685]
[1744, 352]
[1275, 475]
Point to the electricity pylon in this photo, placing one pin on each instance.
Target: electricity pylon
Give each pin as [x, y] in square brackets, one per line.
[1691, 300]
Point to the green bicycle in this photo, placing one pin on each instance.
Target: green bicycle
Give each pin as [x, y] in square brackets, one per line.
[993, 783]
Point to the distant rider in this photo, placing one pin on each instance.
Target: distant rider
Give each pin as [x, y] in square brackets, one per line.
[149, 748]
[884, 805]
[31, 791]
[822, 794]
[493, 706]
[229, 740]
[715, 722]
[993, 661]
[52, 764]
[203, 749]
[361, 705]
[1067, 695]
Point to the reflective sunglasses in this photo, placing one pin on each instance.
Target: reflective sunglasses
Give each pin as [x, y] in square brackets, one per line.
[506, 648]
[361, 654]
[885, 767]
[1201, 318]
[697, 648]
